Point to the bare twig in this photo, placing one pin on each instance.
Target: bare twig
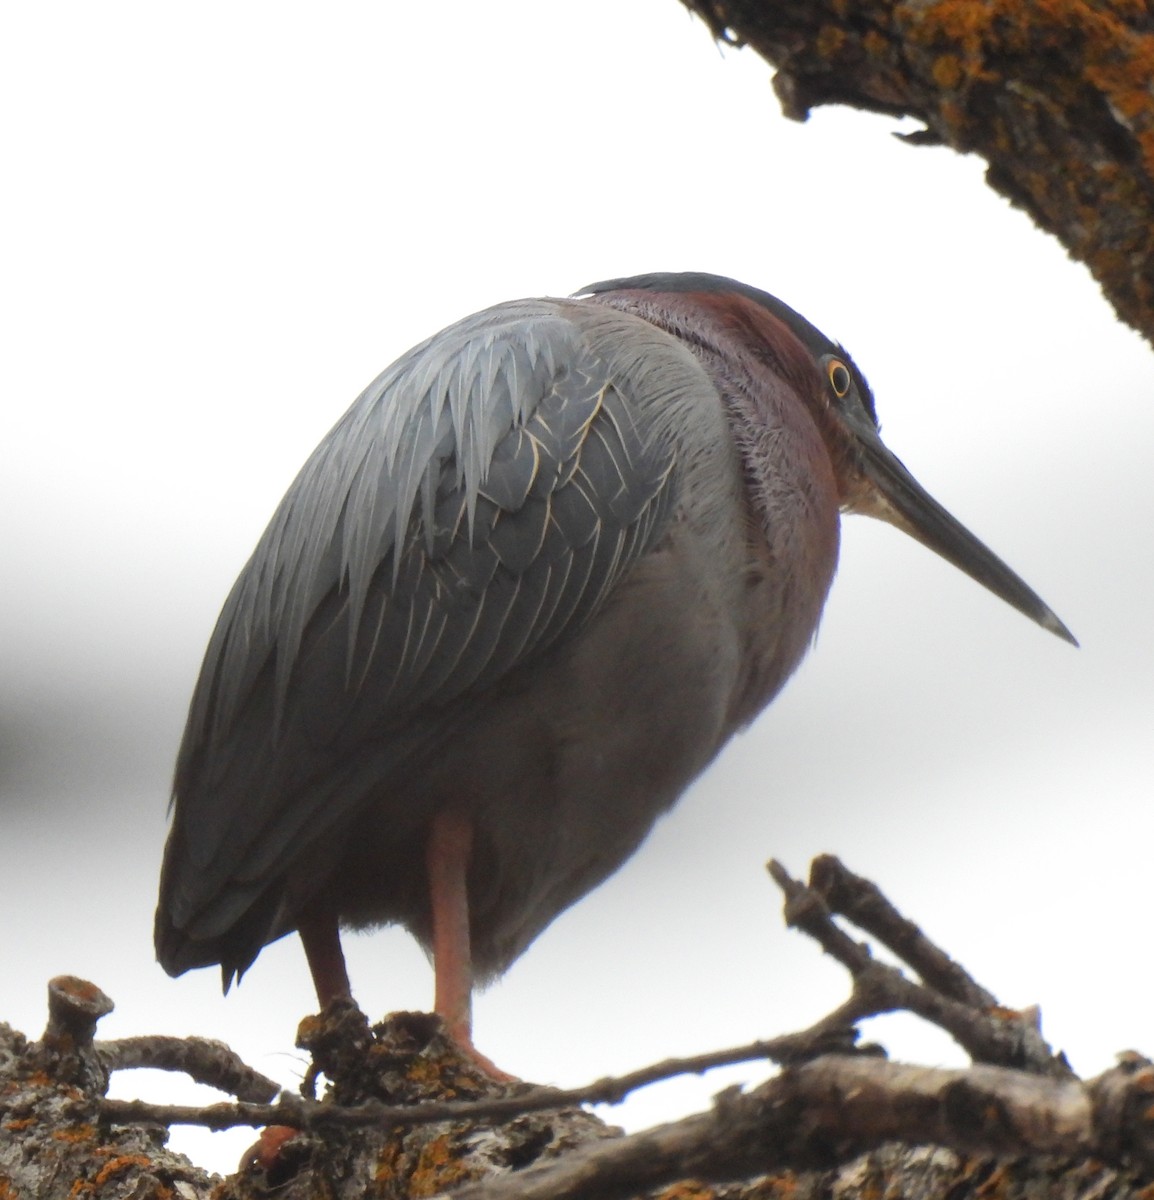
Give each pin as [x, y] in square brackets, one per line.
[203, 1059]
[987, 1032]
[862, 902]
[309, 1114]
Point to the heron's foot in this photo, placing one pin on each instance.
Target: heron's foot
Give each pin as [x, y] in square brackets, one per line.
[462, 1038]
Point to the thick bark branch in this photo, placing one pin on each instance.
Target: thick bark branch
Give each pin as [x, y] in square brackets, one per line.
[405, 1115]
[818, 1116]
[1056, 95]
[202, 1059]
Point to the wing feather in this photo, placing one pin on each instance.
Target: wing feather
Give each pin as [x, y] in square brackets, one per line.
[479, 501]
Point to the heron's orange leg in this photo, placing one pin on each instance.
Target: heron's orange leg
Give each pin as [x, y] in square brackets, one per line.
[447, 860]
[322, 942]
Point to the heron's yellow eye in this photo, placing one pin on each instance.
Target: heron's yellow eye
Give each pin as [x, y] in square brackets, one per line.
[839, 377]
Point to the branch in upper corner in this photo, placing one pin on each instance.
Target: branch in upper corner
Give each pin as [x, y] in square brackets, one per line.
[1055, 97]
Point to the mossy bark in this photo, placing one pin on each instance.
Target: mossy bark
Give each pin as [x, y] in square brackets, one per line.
[1056, 95]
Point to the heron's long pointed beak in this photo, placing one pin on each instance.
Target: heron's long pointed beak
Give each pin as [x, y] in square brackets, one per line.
[894, 495]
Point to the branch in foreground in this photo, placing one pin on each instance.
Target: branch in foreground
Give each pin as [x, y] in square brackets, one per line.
[403, 1108]
[315, 1115]
[828, 1111]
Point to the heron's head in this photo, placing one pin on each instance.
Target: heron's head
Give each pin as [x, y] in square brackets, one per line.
[870, 478]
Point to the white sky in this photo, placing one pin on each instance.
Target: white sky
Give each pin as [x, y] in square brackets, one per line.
[218, 222]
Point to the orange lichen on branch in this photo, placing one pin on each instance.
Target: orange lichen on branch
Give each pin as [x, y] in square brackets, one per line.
[439, 1166]
[118, 1166]
[1056, 95]
[961, 26]
[947, 70]
[830, 40]
[1115, 61]
[875, 45]
[1059, 96]
[1126, 80]
[687, 1190]
[74, 1133]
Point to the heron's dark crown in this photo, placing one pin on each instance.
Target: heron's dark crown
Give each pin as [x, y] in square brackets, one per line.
[807, 333]
[701, 281]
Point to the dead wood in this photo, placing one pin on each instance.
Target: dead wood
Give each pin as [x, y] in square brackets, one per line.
[1056, 95]
[403, 1115]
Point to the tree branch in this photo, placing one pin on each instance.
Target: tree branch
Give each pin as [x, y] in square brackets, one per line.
[1055, 96]
[202, 1059]
[824, 1113]
[404, 1108]
[988, 1032]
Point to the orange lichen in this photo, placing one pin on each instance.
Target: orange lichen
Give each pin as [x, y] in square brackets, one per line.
[947, 71]
[310, 1029]
[959, 21]
[79, 989]
[780, 1187]
[437, 1168]
[830, 41]
[875, 45]
[19, 1126]
[1066, 70]
[78, 1133]
[953, 114]
[390, 1156]
[1117, 62]
[687, 1190]
[427, 1072]
[118, 1165]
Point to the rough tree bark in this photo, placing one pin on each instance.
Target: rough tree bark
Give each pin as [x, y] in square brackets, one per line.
[405, 1116]
[1056, 95]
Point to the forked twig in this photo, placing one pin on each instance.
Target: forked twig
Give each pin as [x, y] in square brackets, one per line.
[946, 996]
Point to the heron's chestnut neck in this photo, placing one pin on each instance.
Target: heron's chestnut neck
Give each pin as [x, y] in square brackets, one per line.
[774, 401]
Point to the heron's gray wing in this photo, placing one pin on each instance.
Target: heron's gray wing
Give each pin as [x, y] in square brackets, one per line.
[476, 503]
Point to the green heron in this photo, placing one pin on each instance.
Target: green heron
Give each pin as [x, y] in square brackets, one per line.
[518, 598]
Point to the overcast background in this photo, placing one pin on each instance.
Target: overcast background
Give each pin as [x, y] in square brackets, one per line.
[221, 220]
